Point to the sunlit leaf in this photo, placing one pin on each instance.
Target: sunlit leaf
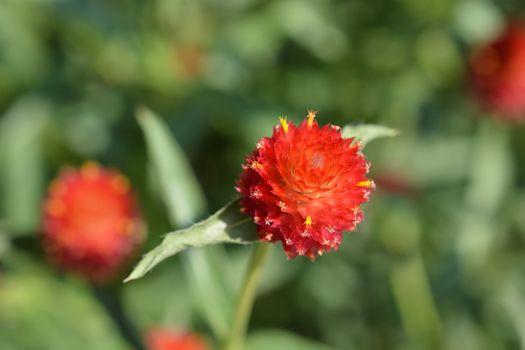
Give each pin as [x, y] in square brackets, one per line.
[159, 298]
[21, 167]
[4, 243]
[180, 190]
[305, 23]
[275, 339]
[208, 270]
[365, 133]
[42, 312]
[490, 177]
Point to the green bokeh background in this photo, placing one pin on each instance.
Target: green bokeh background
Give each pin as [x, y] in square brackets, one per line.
[439, 260]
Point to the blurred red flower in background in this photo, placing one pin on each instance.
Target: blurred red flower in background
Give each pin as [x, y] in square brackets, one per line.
[90, 221]
[304, 186]
[167, 339]
[498, 73]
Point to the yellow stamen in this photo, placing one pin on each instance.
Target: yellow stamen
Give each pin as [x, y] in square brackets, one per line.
[311, 116]
[366, 183]
[308, 221]
[90, 170]
[255, 165]
[284, 123]
[356, 144]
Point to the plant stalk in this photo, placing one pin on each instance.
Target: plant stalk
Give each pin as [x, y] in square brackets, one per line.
[237, 336]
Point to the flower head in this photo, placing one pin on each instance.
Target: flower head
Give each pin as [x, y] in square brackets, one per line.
[498, 73]
[304, 186]
[167, 339]
[90, 221]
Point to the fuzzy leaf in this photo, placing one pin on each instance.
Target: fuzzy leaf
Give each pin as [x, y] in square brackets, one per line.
[365, 133]
[228, 225]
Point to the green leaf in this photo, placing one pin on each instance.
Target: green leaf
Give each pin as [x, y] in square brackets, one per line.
[42, 312]
[207, 269]
[5, 245]
[276, 339]
[490, 177]
[160, 298]
[21, 164]
[365, 133]
[179, 188]
[228, 225]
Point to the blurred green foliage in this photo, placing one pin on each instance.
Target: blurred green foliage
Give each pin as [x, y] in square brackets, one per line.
[439, 260]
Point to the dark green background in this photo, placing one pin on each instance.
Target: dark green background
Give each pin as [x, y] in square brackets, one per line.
[438, 261]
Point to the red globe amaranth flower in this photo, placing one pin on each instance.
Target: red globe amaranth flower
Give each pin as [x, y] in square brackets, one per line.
[90, 221]
[498, 74]
[166, 339]
[304, 186]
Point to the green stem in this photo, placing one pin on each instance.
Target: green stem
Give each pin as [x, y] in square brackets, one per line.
[244, 306]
